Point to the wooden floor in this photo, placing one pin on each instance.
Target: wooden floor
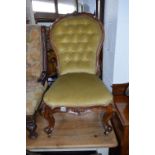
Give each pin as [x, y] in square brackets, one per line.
[72, 131]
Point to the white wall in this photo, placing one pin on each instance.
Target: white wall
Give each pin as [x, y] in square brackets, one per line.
[121, 63]
[115, 55]
[89, 5]
[110, 23]
[29, 12]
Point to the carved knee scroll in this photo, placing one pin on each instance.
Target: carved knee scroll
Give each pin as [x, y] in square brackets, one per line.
[106, 118]
[48, 115]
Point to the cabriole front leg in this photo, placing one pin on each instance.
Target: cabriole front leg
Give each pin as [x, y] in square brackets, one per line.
[48, 115]
[106, 118]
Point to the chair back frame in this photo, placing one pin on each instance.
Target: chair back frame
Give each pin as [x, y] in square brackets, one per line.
[98, 51]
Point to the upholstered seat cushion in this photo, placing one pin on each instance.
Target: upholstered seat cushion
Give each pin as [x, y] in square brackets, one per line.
[34, 93]
[77, 90]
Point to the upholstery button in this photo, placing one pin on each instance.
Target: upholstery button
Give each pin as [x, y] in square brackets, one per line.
[76, 39]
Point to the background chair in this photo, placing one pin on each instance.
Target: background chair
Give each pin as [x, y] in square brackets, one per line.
[77, 40]
[35, 74]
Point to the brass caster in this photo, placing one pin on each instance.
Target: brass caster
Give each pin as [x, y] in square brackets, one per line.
[108, 129]
[48, 131]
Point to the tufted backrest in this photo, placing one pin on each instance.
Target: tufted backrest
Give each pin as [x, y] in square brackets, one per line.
[77, 41]
[33, 52]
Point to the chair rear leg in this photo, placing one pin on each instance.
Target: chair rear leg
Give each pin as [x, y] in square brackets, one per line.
[48, 115]
[106, 118]
[31, 126]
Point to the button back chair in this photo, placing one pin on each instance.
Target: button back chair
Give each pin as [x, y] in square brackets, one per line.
[77, 40]
[35, 79]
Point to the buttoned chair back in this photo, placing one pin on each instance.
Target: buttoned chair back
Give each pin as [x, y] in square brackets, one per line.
[77, 43]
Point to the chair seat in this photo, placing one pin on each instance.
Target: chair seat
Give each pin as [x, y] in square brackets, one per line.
[34, 92]
[77, 90]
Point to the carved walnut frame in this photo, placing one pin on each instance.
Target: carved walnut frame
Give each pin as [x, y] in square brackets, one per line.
[108, 110]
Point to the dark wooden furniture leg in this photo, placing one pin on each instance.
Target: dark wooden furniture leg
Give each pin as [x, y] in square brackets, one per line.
[48, 115]
[31, 126]
[106, 118]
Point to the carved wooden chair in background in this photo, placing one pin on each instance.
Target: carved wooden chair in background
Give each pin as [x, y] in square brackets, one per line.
[77, 40]
[35, 78]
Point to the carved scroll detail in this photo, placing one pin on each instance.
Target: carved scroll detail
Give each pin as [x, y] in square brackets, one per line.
[49, 112]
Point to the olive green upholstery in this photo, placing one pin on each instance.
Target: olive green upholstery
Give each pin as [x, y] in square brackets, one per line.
[77, 41]
[77, 90]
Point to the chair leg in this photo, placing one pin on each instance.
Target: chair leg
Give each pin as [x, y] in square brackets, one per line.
[48, 115]
[106, 118]
[31, 126]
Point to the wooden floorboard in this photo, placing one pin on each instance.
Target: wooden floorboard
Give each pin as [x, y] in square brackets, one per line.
[72, 131]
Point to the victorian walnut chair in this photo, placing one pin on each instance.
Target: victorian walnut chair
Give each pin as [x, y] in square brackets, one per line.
[77, 40]
[35, 74]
